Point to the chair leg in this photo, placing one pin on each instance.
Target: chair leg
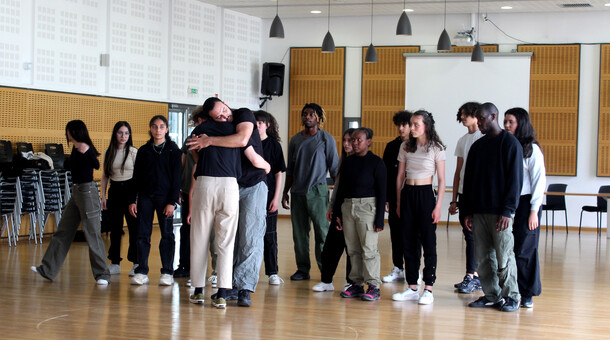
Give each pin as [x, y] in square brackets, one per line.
[566, 213]
[553, 223]
[580, 223]
[546, 214]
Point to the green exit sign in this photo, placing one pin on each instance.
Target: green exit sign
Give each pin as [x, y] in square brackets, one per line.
[194, 91]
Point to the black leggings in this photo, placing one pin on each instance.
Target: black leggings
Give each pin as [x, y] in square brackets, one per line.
[416, 205]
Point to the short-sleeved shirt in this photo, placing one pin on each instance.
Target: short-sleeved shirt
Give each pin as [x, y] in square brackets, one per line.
[421, 163]
[216, 161]
[122, 173]
[250, 175]
[461, 150]
[82, 165]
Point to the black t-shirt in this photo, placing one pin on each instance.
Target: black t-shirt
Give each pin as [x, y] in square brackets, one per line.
[250, 175]
[275, 157]
[82, 165]
[216, 161]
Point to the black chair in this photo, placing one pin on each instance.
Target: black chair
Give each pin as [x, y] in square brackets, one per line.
[56, 152]
[6, 151]
[599, 209]
[24, 147]
[555, 203]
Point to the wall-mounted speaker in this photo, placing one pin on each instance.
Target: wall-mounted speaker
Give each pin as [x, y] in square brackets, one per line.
[272, 83]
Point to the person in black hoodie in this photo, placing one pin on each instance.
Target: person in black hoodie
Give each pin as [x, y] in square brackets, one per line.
[157, 174]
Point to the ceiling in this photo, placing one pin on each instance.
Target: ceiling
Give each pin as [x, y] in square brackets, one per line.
[301, 8]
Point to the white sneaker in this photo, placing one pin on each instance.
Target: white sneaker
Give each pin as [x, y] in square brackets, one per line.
[188, 283]
[132, 272]
[139, 279]
[407, 295]
[426, 298]
[275, 280]
[214, 280]
[114, 269]
[166, 280]
[323, 287]
[102, 282]
[397, 275]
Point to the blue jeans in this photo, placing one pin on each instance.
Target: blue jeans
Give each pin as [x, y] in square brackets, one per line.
[249, 243]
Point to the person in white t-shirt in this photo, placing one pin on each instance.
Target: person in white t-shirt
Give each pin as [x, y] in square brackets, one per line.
[467, 116]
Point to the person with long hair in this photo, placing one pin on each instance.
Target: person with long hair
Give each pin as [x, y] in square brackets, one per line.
[156, 175]
[420, 157]
[334, 245]
[466, 115]
[273, 154]
[119, 161]
[527, 216]
[359, 209]
[83, 207]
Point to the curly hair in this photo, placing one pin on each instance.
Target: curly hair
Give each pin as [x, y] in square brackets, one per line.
[272, 130]
[402, 118]
[318, 110]
[469, 109]
[525, 133]
[431, 135]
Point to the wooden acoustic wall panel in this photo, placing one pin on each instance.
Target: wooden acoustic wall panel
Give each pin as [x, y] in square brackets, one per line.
[40, 117]
[319, 78]
[554, 96]
[383, 92]
[468, 49]
[603, 144]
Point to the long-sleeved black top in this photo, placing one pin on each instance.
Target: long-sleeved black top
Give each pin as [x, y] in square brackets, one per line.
[390, 158]
[158, 173]
[82, 165]
[362, 176]
[493, 176]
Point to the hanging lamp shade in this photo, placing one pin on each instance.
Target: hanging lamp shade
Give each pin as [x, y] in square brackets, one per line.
[277, 29]
[477, 53]
[328, 45]
[404, 25]
[371, 55]
[444, 43]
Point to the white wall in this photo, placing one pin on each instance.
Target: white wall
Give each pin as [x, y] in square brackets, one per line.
[555, 28]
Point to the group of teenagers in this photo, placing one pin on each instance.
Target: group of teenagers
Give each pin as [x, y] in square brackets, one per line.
[228, 178]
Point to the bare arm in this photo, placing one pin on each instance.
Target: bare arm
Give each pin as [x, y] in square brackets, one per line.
[440, 173]
[243, 131]
[285, 197]
[256, 159]
[275, 201]
[104, 186]
[400, 180]
[453, 209]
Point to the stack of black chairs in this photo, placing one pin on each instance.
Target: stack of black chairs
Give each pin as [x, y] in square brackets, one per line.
[31, 200]
[52, 186]
[9, 209]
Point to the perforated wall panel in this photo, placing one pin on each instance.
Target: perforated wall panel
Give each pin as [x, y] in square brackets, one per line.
[12, 27]
[603, 151]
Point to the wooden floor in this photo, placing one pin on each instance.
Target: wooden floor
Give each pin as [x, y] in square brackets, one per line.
[573, 305]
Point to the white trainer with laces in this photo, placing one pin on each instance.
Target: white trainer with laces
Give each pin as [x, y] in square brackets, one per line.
[275, 280]
[407, 295]
[166, 280]
[214, 280]
[426, 298]
[114, 269]
[323, 287]
[132, 272]
[102, 282]
[139, 279]
[397, 275]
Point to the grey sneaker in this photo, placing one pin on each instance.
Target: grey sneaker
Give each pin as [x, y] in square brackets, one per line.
[470, 284]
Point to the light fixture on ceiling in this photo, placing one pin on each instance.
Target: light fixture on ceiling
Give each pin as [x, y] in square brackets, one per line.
[315, 11]
[404, 24]
[477, 52]
[506, 7]
[328, 45]
[277, 29]
[444, 43]
[371, 54]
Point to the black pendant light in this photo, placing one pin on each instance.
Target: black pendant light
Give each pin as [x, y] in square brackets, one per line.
[477, 52]
[328, 45]
[371, 54]
[277, 29]
[404, 24]
[444, 43]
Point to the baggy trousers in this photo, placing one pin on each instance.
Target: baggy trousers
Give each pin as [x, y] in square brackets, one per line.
[83, 206]
[526, 250]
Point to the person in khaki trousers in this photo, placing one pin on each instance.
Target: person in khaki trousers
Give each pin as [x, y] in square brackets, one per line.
[359, 209]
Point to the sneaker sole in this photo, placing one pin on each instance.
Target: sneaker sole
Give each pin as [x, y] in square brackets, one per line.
[350, 296]
[219, 305]
[367, 297]
[197, 302]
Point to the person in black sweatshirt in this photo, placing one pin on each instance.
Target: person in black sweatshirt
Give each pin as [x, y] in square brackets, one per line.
[156, 174]
[83, 207]
[492, 185]
[359, 209]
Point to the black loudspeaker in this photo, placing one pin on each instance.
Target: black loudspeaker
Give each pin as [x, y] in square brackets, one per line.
[273, 79]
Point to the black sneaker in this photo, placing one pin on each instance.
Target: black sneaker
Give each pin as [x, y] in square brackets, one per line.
[464, 282]
[483, 302]
[181, 272]
[244, 298]
[471, 285]
[299, 276]
[509, 305]
[527, 302]
[353, 291]
[372, 294]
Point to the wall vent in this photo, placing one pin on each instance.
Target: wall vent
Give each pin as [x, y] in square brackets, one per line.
[575, 5]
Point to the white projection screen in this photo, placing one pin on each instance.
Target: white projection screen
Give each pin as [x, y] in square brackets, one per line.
[441, 83]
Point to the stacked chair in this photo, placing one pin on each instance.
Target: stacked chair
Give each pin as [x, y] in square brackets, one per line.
[9, 209]
[51, 186]
[31, 201]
